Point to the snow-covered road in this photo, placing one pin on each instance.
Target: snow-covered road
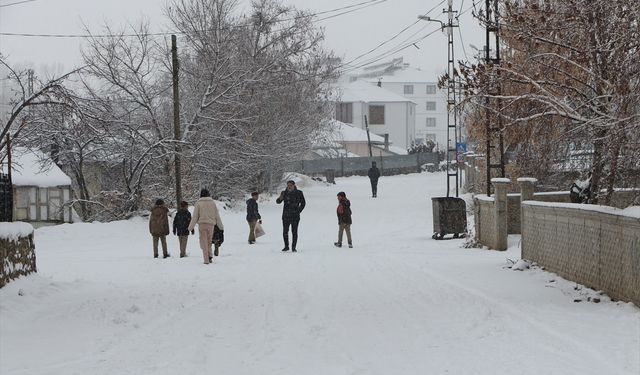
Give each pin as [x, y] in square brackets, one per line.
[397, 303]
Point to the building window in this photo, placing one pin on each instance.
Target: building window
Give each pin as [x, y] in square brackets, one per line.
[431, 106]
[376, 114]
[408, 89]
[431, 89]
[344, 112]
[431, 122]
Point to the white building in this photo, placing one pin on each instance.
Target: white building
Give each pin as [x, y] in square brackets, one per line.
[387, 113]
[346, 141]
[419, 87]
[41, 191]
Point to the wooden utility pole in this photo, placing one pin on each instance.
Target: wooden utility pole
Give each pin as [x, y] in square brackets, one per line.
[9, 156]
[366, 124]
[176, 118]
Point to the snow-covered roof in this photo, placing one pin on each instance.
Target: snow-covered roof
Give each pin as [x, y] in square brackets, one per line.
[347, 133]
[361, 91]
[34, 168]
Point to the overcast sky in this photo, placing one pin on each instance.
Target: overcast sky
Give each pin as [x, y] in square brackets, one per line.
[349, 35]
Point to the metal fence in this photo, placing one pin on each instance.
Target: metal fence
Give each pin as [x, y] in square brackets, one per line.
[388, 165]
[6, 198]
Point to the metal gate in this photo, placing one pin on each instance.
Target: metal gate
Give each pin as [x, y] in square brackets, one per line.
[6, 198]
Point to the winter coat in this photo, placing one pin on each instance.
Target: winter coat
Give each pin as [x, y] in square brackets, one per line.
[205, 212]
[374, 174]
[252, 210]
[181, 223]
[344, 212]
[293, 204]
[159, 221]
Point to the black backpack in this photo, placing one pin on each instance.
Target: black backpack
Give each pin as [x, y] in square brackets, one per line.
[218, 235]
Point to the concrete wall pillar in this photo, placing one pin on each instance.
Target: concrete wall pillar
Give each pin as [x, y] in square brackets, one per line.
[501, 186]
[527, 188]
[527, 185]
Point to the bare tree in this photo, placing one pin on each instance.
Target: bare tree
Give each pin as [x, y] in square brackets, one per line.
[254, 90]
[570, 73]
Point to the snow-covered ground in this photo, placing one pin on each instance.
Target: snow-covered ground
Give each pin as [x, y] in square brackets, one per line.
[397, 303]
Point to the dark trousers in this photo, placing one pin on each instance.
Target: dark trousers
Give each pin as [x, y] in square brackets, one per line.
[293, 222]
[374, 187]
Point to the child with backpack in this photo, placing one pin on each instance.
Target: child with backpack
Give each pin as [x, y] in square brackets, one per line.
[344, 219]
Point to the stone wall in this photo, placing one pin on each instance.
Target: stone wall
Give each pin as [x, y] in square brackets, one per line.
[592, 245]
[484, 218]
[18, 258]
[619, 199]
[513, 209]
[490, 214]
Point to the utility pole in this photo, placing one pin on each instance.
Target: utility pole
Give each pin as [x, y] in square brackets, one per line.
[366, 124]
[9, 166]
[452, 110]
[176, 118]
[29, 82]
[494, 133]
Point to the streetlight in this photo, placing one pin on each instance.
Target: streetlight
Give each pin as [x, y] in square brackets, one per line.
[427, 18]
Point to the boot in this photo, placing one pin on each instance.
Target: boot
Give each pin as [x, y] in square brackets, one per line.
[337, 244]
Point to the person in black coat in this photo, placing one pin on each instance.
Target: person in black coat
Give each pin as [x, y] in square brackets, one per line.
[293, 205]
[374, 175]
[181, 227]
[253, 216]
[344, 219]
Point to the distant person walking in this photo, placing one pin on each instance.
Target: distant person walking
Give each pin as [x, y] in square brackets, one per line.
[253, 216]
[344, 219]
[293, 205]
[206, 215]
[181, 227]
[159, 227]
[374, 175]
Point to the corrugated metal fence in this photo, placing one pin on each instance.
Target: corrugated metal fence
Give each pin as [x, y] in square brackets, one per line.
[388, 165]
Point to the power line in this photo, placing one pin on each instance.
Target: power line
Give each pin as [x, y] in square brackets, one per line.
[349, 9]
[394, 36]
[464, 50]
[392, 52]
[400, 46]
[16, 3]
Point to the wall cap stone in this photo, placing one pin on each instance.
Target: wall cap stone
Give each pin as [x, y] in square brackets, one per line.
[527, 179]
[500, 180]
[633, 211]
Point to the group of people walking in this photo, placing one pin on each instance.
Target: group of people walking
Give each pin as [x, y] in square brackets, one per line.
[211, 229]
[205, 215]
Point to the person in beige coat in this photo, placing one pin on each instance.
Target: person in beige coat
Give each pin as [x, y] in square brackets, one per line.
[206, 215]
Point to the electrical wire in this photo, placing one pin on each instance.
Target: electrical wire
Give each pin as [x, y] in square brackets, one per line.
[393, 37]
[464, 50]
[358, 6]
[16, 3]
[391, 52]
[401, 46]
